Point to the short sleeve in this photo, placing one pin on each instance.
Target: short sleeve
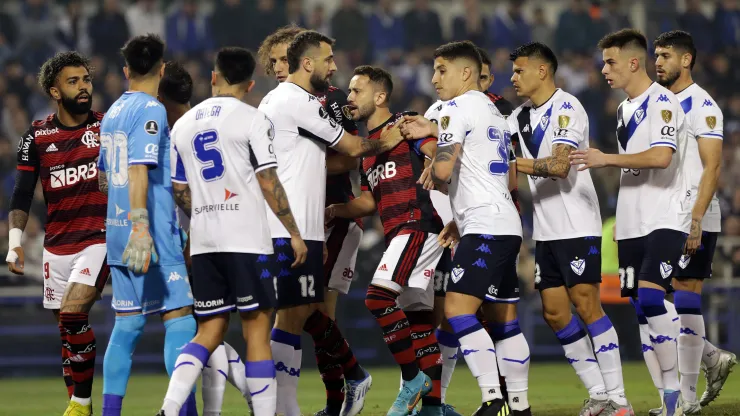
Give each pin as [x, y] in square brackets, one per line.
[261, 152]
[568, 126]
[663, 116]
[364, 183]
[177, 168]
[709, 122]
[27, 154]
[148, 126]
[453, 125]
[336, 104]
[314, 122]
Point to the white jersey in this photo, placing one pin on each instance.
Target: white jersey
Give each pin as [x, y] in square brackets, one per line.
[563, 208]
[440, 201]
[479, 187]
[303, 129]
[703, 119]
[212, 145]
[651, 199]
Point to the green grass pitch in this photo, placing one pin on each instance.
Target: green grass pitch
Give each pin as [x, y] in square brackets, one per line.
[554, 390]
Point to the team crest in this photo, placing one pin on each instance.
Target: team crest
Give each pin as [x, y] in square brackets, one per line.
[683, 262]
[457, 274]
[665, 269]
[667, 115]
[563, 121]
[578, 266]
[444, 122]
[346, 111]
[711, 121]
[543, 121]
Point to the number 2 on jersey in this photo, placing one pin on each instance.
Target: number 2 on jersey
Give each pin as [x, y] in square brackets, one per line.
[207, 152]
[499, 165]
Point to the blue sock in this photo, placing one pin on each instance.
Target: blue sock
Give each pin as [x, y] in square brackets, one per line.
[178, 333]
[117, 361]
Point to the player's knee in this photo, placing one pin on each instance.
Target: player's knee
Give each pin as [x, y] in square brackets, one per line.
[499, 312]
[457, 304]
[177, 313]
[588, 305]
[128, 329]
[84, 297]
[378, 298]
[556, 319]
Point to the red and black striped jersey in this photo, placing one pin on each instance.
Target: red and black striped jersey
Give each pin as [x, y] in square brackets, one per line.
[391, 177]
[65, 159]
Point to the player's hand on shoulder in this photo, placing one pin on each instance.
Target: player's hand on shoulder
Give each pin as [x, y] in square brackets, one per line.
[417, 127]
[16, 260]
[300, 250]
[589, 158]
[450, 235]
[392, 133]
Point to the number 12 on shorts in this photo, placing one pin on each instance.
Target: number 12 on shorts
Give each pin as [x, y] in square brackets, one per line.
[307, 285]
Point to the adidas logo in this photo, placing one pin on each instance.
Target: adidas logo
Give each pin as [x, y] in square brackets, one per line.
[85, 271]
[52, 148]
[383, 268]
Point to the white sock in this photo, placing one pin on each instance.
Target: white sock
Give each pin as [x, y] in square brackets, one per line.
[260, 376]
[580, 355]
[662, 335]
[651, 360]
[606, 347]
[237, 378]
[690, 341]
[448, 347]
[81, 400]
[512, 355]
[710, 355]
[215, 374]
[291, 405]
[282, 354]
[480, 355]
[188, 367]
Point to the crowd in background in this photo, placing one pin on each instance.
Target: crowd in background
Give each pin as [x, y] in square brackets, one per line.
[398, 35]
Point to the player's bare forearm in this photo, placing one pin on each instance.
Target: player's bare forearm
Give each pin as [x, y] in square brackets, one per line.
[361, 207]
[183, 197]
[376, 147]
[557, 165]
[277, 199]
[18, 219]
[138, 186]
[710, 151]
[444, 162]
[337, 164]
[658, 157]
[513, 166]
[102, 182]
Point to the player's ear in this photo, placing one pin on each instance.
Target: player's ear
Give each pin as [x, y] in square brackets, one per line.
[307, 64]
[55, 93]
[161, 70]
[213, 78]
[467, 72]
[250, 85]
[125, 72]
[686, 60]
[380, 98]
[542, 71]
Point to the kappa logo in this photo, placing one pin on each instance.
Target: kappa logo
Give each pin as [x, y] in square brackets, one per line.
[707, 103]
[174, 276]
[566, 106]
[663, 98]
[457, 274]
[683, 262]
[151, 103]
[526, 128]
[52, 148]
[578, 266]
[481, 263]
[666, 269]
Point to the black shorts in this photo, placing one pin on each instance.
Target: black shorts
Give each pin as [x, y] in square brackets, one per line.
[652, 258]
[699, 266]
[303, 285]
[442, 273]
[484, 266]
[567, 262]
[223, 282]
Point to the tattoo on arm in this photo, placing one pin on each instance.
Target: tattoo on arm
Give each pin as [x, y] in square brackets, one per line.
[444, 154]
[18, 219]
[555, 165]
[372, 147]
[276, 197]
[183, 198]
[102, 182]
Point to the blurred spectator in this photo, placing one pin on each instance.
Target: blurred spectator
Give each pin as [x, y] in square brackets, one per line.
[8, 36]
[19, 82]
[317, 20]
[262, 21]
[541, 29]
[423, 30]
[471, 25]
[72, 28]
[662, 15]
[349, 28]
[294, 13]
[574, 33]
[37, 33]
[188, 32]
[386, 32]
[145, 17]
[509, 29]
[614, 17]
[108, 31]
[727, 24]
[699, 25]
[229, 24]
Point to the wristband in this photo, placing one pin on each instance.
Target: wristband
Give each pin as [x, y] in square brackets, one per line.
[14, 238]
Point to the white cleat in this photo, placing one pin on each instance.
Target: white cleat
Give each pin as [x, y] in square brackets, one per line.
[690, 408]
[593, 407]
[656, 412]
[354, 395]
[717, 376]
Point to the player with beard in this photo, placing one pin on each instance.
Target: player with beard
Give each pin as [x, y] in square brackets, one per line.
[675, 57]
[62, 150]
[342, 242]
[400, 295]
[303, 131]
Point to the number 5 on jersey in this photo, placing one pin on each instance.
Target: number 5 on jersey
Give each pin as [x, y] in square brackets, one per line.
[205, 148]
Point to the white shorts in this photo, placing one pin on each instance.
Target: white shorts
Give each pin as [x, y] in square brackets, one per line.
[415, 299]
[88, 267]
[409, 261]
[342, 243]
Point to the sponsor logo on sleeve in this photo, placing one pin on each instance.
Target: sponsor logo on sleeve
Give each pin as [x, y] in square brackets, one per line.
[711, 121]
[563, 121]
[667, 115]
[444, 122]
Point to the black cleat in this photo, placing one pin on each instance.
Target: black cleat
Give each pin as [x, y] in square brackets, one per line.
[161, 413]
[327, 412]
[496, 407]
[525, 412]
